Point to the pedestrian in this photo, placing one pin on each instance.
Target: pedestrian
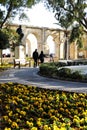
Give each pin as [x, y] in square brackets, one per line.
[51, 57]
[41, 57]
[35, 57]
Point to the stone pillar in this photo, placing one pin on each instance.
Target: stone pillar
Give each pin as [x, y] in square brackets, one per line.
[20, 52]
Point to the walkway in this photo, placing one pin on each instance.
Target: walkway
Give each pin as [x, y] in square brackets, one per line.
[29, 76]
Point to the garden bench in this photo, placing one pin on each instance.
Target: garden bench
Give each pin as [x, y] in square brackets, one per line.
[19, 62]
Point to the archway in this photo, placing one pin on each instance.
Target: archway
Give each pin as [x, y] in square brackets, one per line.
[51, 45]
[31, 44]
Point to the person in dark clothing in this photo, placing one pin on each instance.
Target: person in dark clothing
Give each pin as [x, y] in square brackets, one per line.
[35, 57]
[41, 57]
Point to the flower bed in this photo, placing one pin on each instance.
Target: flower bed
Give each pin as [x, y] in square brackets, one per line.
[25, 107]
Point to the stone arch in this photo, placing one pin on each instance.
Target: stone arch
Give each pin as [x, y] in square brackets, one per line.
[41, 34]
[31, 44]
[50, 45]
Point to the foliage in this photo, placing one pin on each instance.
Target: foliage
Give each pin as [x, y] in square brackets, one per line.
[4, 42]
[60, 71]
[33, 108]
[76, 75]
[9, 37]
[13, 38]
[74, 10]
[69, 13]
[64, 72]
[10, 8]
[5, 66]
[47, 69]
[76, 35]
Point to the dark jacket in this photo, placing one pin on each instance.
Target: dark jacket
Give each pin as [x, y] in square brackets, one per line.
[35, 55]
[41, 57]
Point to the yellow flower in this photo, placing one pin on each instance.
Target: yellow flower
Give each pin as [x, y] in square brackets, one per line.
[7, 128]
[40, 109]
[45, 127]
[55, 128]
[7, 106]
[30, 124]
[23, 113]
[5, 118]
[34, 128]
[14, 125]
[39, 123]
[9, 121]
[82, 120]
[86, 119]
[61, 109]
[63, 125]
[10, 113]
[18, 120]
[62, 128]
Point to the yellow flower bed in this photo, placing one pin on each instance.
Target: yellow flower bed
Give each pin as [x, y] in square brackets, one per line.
[25, 107]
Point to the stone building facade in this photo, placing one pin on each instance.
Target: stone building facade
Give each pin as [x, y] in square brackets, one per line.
[50, 40]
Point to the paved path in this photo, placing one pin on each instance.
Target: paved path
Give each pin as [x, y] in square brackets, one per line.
[29, 76]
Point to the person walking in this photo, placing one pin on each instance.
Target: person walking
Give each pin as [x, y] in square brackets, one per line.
[41, 57]
[35, 57]
[51, 57]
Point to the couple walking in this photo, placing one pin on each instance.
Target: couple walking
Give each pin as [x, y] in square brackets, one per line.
[36, 57]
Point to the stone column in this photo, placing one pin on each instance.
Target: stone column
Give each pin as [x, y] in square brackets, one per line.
[20, 52]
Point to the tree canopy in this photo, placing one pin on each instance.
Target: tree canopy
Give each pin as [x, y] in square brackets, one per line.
[71, 13]
[4, 42]
[9, 8]
[75, 10]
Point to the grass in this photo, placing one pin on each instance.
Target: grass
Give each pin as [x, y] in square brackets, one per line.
[25, 107]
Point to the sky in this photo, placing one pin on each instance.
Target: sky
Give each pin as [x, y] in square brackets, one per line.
[40, 16]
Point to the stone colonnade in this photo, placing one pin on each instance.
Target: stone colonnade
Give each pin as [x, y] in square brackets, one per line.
[40, 41]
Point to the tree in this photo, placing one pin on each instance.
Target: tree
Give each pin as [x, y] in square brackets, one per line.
[8, 39]
[10, 8]
[13, 38]
[75, 12]
[4, 42]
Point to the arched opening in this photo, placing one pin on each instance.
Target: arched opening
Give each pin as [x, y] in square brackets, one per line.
[51, 45]
[31, 44]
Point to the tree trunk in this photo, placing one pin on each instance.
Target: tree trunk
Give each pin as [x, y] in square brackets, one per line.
[1, 57]
[8, 14]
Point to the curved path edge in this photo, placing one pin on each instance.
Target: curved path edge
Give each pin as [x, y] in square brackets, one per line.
[29, 76]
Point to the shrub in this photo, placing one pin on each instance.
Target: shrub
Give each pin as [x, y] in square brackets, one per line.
[64, 72]
[48, 70]
[54, 70]
[76, 75]
[60, 64]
